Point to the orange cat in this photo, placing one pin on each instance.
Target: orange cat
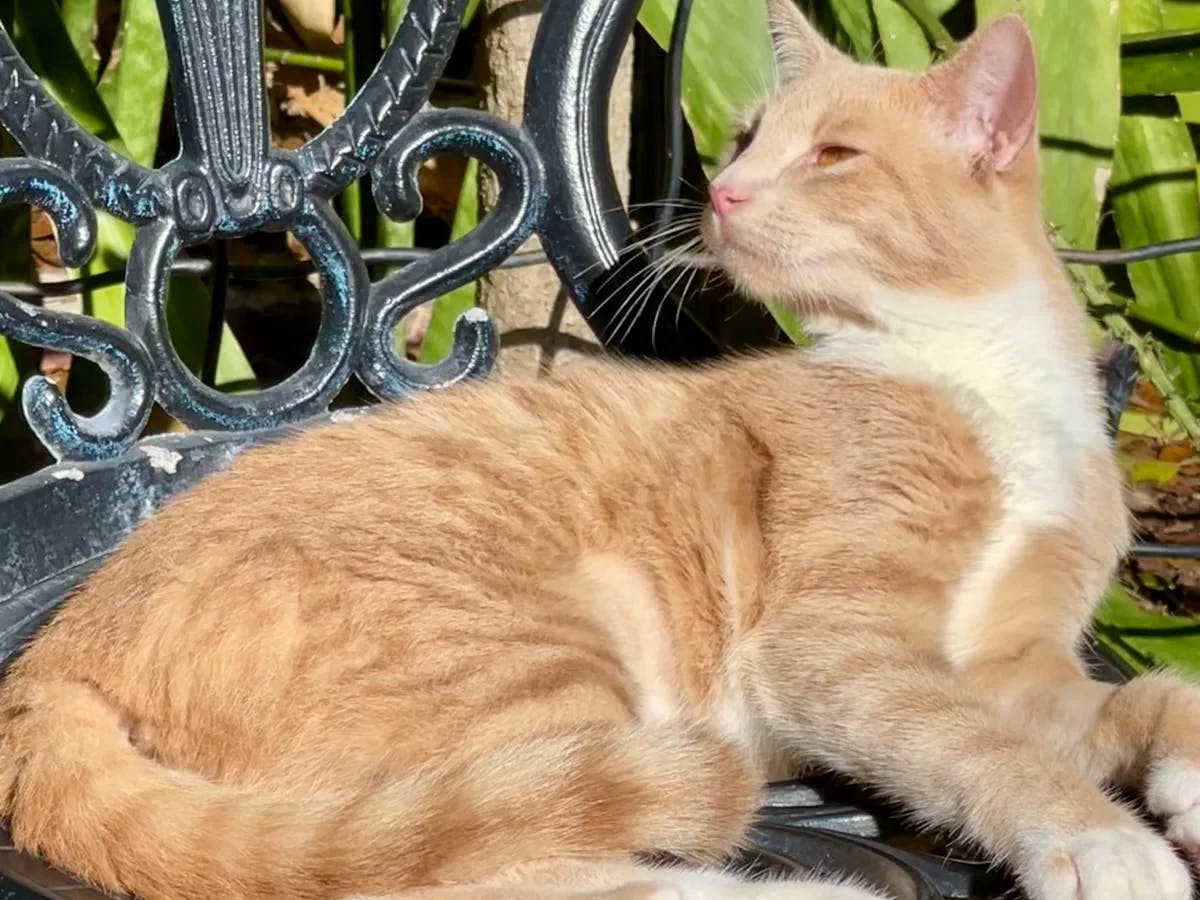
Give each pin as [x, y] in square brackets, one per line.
[493, 643]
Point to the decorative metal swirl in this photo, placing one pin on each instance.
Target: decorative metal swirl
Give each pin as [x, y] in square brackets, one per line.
[509, 153]
[121, 356]
[228, 182]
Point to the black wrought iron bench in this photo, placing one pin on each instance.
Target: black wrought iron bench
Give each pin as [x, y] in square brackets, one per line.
[557, 182]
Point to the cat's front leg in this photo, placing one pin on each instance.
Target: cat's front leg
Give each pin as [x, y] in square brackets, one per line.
[1155, 719]
[863, 704]
[1143, 735]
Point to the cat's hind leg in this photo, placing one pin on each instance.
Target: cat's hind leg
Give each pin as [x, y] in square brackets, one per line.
[577, 879]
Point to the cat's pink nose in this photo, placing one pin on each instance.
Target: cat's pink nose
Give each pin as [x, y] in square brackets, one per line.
[725, 197]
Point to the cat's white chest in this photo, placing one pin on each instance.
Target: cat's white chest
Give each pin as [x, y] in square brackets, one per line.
[1034, 405]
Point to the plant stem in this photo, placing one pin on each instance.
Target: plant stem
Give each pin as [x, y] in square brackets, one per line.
[1156, 374]
[941, 39]
[303, 60]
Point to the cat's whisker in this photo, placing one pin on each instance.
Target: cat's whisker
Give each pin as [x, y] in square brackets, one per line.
[683, 203]
[652, 276]
[653, 265]
[655, 237]
[678, 301]
[683, 271]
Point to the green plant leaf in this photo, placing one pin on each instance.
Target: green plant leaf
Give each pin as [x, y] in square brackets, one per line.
[854, 18]
[1154, 198]
[1184, 15]
[135, 83]
[446, 309]
[904, 43]
[1144, 638]
[1161, 63]
[43, 42]
[1181, 15]
[79, 18]
[1078, 115]
[727, 63]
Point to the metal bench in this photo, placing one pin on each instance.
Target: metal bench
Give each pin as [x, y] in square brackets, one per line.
[556, 182]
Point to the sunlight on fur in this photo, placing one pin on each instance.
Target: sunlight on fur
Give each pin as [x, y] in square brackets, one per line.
[498, 642]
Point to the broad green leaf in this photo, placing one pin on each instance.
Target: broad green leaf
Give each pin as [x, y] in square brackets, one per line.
[1181, 15]
[727, 63]
[134, 84]
[43, 42]
[1144, 639]
[854, 18]
[10, 379]
[1160, 63]
[1154, 198]
[904, 43]
[788, 323]
[446, 309]
[1184, 15]
[1078, 115]
[79, 18]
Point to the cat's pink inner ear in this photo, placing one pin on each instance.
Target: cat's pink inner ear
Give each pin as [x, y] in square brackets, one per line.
[995, 94]
[798, 45]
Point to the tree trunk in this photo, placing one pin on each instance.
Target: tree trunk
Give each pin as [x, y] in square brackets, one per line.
[539, 326]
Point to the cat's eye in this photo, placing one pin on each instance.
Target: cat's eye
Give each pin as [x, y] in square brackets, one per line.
[745, 137]
[834, 154]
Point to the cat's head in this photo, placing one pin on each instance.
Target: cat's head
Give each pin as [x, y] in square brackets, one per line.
[854, 182]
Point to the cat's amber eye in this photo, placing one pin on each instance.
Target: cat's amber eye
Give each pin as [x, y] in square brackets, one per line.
[833, 154]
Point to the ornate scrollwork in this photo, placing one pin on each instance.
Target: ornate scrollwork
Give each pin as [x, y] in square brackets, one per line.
[228, 182]
[508, 152]
[121, 356]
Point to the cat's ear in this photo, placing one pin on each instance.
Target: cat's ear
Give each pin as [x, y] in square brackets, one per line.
[987, 95]
[798, 45]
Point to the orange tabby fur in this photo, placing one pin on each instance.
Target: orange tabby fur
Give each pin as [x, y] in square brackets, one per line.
[495, 642]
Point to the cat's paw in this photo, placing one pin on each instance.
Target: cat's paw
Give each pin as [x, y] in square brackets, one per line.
[1128, 863]
[1173, 792]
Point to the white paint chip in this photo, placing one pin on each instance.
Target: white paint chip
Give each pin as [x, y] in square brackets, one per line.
[71, 474]
[163, 459]
[475, 314]
[1100, 181]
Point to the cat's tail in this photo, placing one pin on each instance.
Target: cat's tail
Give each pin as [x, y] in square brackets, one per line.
[79, 794]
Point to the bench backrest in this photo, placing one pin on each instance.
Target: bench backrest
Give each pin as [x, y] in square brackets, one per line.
[556, 181]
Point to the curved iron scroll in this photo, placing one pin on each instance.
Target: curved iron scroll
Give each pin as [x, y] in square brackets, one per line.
[228, 182]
